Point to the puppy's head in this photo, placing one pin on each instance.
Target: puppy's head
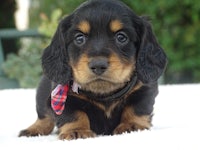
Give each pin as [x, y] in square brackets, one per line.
[101, 45]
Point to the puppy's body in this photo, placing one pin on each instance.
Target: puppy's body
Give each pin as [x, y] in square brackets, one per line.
[115, 59]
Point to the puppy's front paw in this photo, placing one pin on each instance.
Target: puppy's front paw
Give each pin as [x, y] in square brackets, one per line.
[40, 127]
[75, 134]
[123, 128]
[28, 133]
[128, 128]
[132, 122]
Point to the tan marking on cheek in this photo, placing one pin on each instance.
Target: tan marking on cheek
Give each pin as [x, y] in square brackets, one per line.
[119, 70]
[84, 26]
[81, 70]
[116, 25]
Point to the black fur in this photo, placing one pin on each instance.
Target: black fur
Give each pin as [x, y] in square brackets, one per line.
[55, 58]
[151, 59]
[60, 56]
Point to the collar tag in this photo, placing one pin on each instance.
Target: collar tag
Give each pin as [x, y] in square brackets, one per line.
[75, 87]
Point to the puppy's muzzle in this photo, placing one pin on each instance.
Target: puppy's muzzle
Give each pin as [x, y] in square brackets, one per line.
[98, 65]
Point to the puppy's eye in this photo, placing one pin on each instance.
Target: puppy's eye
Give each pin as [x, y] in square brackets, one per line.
[79, 39]
[121, 38]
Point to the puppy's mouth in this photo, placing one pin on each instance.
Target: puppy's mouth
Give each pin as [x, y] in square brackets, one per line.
[101, 85]
[102, 90]
[101, 79]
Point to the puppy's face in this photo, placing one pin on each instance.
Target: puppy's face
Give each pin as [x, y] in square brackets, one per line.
[101, 45]
[102, 49]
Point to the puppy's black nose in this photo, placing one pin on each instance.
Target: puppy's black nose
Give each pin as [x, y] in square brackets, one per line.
[98, 65]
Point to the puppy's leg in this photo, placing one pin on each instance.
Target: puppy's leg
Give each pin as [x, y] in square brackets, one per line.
[40, 127]
[44, 124]
[80, 128]
[132, 122]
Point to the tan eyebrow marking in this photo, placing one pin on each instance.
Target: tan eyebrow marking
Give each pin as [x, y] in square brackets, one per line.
[116, 25]
[84, 26]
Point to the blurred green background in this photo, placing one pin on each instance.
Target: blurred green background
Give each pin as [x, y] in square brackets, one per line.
[176, 24]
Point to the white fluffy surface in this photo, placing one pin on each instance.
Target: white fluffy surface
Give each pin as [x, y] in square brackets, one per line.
[176, 124]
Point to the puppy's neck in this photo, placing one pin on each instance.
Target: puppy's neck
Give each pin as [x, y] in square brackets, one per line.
[116, 95]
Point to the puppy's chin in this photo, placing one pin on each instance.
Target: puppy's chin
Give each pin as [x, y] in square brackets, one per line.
[101, 87]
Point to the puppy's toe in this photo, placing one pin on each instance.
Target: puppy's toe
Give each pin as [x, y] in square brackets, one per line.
[128, 128]
[75, 134]
[123, 128]
[40, 127]
[27, 133]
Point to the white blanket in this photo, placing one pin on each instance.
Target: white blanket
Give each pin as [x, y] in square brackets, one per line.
[176, 124]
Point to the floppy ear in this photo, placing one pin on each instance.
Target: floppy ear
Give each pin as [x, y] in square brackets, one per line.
[55, 61]
[151, 59]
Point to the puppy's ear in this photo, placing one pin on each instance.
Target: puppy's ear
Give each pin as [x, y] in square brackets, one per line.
[55, 61]
[151, 59]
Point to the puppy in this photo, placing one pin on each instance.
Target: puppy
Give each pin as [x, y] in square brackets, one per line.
[100, 74]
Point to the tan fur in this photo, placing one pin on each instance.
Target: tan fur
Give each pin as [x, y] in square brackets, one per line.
[115, 77]
[81, 71]
[116, 25]
[132, 122]
[107, 110]
[40, 127]
[138, 85]
[120, 71]
[80, 128]
[84, 26]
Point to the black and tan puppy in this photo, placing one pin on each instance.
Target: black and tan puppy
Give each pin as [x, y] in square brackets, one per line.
[100, 74]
